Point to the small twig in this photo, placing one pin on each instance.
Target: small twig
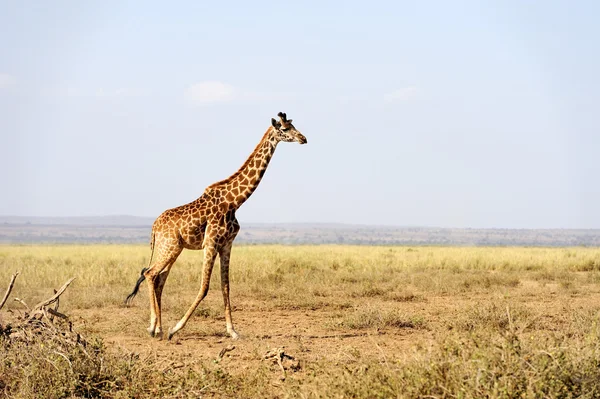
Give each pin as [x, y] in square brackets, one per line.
[56, 304]
[172, 366]
[50, 325]
[382, 353]
[52, 363]
[278, 355]
[23, 303]
[280, 363]
[224, 351]
[510, 321]
[9, 289]
[66, 358]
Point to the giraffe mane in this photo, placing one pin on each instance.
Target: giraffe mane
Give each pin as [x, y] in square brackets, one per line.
[245, 165]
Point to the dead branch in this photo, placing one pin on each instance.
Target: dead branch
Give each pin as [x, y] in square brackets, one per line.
[56, 313]
[9, 289]
[45, 322]
[40, 307]
[54, 298]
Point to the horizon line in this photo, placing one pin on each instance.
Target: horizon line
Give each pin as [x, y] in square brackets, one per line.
[312, 223]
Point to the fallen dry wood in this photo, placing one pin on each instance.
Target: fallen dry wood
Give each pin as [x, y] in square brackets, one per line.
[278, 355]
[45, 322]
[9, 289]
[40, 307]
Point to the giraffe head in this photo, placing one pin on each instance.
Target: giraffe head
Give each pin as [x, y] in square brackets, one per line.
[285, 131]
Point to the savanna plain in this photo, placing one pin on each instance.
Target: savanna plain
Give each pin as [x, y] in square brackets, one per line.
[360, 322]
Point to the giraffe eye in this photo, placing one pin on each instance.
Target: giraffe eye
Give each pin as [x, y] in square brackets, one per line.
[284, 129]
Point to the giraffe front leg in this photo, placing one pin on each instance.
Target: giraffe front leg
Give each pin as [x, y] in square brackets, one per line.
[224, 259]
[210, 255]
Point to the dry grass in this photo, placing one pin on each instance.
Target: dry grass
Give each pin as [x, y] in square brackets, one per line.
[364, 322]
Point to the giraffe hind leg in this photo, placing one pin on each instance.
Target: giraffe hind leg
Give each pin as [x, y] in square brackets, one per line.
[162, 279]
[153, 277]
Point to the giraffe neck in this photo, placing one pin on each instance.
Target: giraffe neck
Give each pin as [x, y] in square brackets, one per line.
[240, 186]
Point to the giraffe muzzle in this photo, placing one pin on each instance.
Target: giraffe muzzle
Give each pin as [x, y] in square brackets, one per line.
[302, 139]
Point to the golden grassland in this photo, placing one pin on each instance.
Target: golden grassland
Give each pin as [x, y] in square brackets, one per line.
[363, 322]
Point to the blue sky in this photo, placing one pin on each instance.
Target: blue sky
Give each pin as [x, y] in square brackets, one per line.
[433, 113]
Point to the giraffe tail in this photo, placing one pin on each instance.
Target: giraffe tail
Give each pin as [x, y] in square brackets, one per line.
[142, 277]
[136, 288]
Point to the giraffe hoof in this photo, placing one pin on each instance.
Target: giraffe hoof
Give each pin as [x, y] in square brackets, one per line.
[170, 334]
[150, 331]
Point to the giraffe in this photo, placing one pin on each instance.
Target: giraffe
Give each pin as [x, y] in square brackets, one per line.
[208, 223]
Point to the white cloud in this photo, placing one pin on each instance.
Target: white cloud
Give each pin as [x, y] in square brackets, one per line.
[210, 92]
[404, 94]
[7, 80]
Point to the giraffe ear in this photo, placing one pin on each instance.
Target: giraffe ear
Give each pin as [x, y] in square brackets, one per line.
[274, 123]
[290, 120]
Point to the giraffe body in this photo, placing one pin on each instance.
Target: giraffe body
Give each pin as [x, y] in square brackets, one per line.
[208, 223]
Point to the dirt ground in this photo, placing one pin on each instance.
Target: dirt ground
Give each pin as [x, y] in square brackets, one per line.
[310, 335]
[304, 334]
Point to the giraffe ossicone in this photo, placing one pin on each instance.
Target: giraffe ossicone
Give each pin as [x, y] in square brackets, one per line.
[208, 223]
